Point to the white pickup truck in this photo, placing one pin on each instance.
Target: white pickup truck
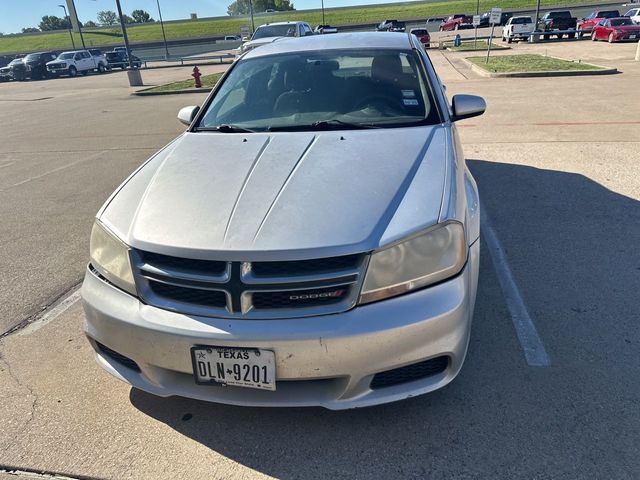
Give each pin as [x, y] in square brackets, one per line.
[517, 28]
[77, 61]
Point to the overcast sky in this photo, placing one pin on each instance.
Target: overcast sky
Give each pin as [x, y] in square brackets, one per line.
[15, 14]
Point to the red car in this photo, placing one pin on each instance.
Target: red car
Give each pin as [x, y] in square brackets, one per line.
[587, 23]
[455, 22]
[423, 36]
[616, 30]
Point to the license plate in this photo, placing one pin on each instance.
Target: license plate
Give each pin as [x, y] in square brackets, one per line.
[241, 367]
[632, 36]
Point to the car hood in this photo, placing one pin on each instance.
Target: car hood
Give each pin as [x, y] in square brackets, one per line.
[56, 62]
[282, 195]
[260, 41]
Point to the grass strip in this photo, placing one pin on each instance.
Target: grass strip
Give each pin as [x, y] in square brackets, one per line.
[208, 82]
[528, 63]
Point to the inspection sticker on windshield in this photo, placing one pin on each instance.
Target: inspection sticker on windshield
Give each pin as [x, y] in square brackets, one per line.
[241, 367]
[408, 93]
[409, 101]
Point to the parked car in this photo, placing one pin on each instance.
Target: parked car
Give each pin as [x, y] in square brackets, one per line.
[119, 59]
[391, 26]
[517, 28]
[320, 249]
[271, 32]
[33, 66]
[634, 15]
[5, 72]
[557, 21]
[586, 24]
[232, 38]
[616, 30]
[484, 19]
[74, 62]
[99, 58]
[423, 35]
[456, 22]
[322, 29]
[435, 20]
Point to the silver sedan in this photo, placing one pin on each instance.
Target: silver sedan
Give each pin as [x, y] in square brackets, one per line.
[310, 240]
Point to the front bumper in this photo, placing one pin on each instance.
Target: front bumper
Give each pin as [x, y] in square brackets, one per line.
[326, 361]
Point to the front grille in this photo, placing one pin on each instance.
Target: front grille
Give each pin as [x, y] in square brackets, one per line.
[209, 298]
[304, 267]
[118, 357]
[410, 373]
[248, 289]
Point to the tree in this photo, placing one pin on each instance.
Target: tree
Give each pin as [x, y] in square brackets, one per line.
[90, 24]
[30, 30]
[242, 7]
[127, 19]
[51, 22]
[107, 17]
[140, 16]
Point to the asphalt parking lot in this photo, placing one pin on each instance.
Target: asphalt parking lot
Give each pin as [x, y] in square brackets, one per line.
[556, 161]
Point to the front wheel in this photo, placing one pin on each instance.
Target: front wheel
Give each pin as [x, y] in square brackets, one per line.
[456, 27]
[73, 71]
[509, 39]
[101, 68]
[593, 36]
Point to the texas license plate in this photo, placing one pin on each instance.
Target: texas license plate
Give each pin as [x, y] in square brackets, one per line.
[241, 367]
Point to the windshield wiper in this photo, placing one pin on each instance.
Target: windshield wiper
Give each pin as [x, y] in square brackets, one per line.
[332, 124]
[226, 128]
[335, 123]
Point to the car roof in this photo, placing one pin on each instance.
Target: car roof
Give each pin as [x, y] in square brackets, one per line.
[337, 41]
[291, 22]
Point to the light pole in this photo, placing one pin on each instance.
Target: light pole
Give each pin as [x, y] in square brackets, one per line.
[166, 49]
[68, 20]
[322, 3]
[124, 34]
[253, 25]
[73, 5]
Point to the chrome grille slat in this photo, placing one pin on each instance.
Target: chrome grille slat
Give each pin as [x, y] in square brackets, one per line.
[279, 296]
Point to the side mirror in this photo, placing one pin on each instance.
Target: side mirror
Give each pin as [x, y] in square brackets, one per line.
[187, 114]
[467, 106]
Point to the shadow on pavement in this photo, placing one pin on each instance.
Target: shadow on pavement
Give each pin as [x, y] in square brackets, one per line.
[571, 243]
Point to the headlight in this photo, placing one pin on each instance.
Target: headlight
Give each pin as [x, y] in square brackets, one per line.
[110, 257]
[421, 260]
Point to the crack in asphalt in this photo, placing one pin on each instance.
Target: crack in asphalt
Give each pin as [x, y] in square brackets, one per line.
[32, 393]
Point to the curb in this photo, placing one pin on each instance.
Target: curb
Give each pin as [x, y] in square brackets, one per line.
[147, 93]
[499, 49]
[553, 73]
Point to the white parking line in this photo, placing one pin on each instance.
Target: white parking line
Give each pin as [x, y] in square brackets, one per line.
[530, 340]
[50, 315]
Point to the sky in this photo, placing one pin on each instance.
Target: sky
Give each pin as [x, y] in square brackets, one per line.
[15, 14]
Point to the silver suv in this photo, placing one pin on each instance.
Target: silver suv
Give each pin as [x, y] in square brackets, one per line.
[311, 239]
[271, 32]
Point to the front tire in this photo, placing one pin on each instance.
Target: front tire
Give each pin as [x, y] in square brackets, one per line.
[611, 38]
[73, 71]
[593, 36]
[101, 68]
[509, 39]
[456, 27]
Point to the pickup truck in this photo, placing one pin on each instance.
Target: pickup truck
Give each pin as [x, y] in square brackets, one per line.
[391, 26]
[456, 22]
[517, 28]
[556, 21]
[586, 24]
[74, 62]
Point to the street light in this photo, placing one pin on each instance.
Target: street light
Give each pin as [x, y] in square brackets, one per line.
[68, 20]
[166, 49]
[124, 34]
[253, 25]
[323, 11]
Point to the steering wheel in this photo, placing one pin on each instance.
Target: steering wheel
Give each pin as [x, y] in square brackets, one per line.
[378, 100]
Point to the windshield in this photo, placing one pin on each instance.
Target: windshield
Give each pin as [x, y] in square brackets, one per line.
[32, 57]
[610, 14]
[66, 56]
[275, 31]
[618, 22]
[331, 89]
[16, 61]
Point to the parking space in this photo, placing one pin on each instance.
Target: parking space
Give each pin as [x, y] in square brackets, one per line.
[556, 164]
